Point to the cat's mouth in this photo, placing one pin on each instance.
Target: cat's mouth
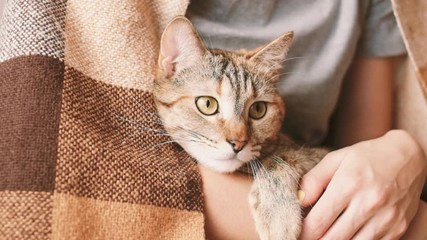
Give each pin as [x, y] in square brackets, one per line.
[222, 158]
[226, 163]
[229, 157]
[229, 163]
[243, 157]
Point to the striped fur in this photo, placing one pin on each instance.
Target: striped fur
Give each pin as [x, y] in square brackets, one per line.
[235, 80]
[231, 138]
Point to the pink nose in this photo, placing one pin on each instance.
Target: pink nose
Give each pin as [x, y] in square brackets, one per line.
[237, 145]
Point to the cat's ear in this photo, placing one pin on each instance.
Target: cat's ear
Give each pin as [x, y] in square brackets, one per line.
[272, 55]
[180, 46]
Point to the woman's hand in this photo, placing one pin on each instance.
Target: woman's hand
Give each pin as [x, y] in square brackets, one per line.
[369, 190]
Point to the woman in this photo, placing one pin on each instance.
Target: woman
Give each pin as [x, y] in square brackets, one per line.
[338, 82]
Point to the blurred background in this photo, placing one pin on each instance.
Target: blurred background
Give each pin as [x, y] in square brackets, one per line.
[2, 3]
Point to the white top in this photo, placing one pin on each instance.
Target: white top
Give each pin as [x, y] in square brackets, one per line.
[328, 33]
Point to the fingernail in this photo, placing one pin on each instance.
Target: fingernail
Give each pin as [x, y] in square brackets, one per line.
[300, 196]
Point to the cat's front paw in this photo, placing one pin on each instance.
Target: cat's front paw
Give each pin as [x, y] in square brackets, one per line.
[277, 213]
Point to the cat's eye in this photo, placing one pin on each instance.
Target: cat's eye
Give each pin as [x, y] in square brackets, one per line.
[207, 105]
[258, 110]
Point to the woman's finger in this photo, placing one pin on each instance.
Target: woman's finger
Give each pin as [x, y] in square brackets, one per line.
[352, 219]
[326, 210]
[377, 226]
[317, 179]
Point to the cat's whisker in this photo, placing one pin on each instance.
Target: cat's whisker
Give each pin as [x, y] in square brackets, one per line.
[193, 134]
[280, 162]
[150, 150]
[252, 168]
[189, 136]
[209, 46]
[278, 76]
[152, 114]
[155, 130]
[142, 129]
[259, 69]
[296, 178]
[173, 141]
[138, 122]
[259, 166]
[210, 41]
[292, 58]
[196, 134]
[144, 107]
[166, 134]
[267, 72]
[302, 147]
[147, 111]
[183, 139]
[163, 143]
[264, 174]
[157, 148]
[153, 148]
[258, 174]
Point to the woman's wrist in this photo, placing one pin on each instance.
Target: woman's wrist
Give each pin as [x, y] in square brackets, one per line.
[407, 146]
[404, 138]
[410, 147]
[417, 228]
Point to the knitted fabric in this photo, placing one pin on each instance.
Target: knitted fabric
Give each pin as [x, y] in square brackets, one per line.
[80, 151]
[80, 157]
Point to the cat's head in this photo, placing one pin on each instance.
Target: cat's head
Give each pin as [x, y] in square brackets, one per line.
[221, 107]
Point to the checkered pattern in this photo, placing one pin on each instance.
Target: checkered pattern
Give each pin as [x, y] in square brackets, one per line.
[80, 153]
[79, 157]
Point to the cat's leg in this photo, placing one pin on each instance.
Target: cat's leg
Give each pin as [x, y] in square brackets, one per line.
[275, 207]
[273, 198]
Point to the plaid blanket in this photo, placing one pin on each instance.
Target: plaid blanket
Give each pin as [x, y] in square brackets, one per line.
[411, 102]
[412, 19]
[77, 157]
[79, 153]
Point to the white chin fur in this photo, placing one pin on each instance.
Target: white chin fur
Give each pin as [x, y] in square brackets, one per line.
[223, 166]
[223, 161]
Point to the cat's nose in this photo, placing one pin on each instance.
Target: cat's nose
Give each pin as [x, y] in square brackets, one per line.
[237, 145]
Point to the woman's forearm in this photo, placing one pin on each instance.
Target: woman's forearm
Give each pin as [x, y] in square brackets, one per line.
[226, 209]
[365, 110]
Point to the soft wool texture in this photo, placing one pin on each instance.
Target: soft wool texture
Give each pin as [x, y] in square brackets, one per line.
[75, 86]
[74, 163]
